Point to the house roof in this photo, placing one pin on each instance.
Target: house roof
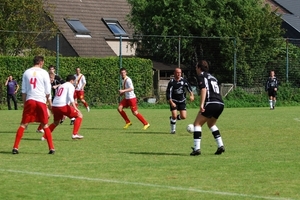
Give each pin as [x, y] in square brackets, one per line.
[289, 10]
[90, 13]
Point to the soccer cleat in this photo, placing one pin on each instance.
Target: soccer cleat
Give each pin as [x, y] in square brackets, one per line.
[173, 132]
[42, 138]
[127, 125]
[61, 121]
[52, 151]
[40, 131]
[195, 152]
[88, 109]
[15, 151]
[220, 150]
[146, 126]
[77, 136]
[72, 121]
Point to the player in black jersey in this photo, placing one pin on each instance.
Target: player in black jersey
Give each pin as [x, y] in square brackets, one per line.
[211, 107]
[271, 88]
[176, 96]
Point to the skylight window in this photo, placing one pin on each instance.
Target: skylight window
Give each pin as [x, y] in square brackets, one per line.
[115, 27]
[78, 28]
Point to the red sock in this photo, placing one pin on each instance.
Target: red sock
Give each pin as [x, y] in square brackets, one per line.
[40, 127]
[77, 124]
[85, 104]
[49, 138]
[52, 127]
[123, 114]
[19, 136]
[141, 118]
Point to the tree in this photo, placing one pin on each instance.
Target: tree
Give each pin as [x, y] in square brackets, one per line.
[247, 27]
[23, 24]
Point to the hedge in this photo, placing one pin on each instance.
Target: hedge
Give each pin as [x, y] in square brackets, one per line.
[102, 74]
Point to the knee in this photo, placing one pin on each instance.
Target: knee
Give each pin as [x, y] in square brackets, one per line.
[135, 113]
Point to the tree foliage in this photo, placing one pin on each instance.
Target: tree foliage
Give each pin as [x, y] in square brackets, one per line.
[245, 27]
[23, 24]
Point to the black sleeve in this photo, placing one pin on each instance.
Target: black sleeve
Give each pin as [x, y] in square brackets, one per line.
[168, 91]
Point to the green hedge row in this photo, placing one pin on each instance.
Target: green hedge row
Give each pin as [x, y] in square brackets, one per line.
[102, 74]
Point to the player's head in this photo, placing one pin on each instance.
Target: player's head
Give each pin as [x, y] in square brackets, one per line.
[77, 70]
[272, 73]
[177, 73]
[202, 65]
[70, 77]
[51, 69]
[123, 72]
[38, 60]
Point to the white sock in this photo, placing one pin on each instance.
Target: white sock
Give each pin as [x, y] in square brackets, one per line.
[274, 102]
[271, 103]
[219, 141]
[197, 144]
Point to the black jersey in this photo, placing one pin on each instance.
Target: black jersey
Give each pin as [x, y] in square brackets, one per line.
[57, 81]
[176, 90]
[206, 80]
[271, 83]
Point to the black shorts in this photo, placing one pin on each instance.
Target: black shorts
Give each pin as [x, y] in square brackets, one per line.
[272, 93]
[179, 106]
[213, 110]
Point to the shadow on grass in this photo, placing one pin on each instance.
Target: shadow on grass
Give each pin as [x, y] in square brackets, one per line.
[157, 153]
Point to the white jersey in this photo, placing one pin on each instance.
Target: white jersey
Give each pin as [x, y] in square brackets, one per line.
[79, 81]
[64, 95]
[127, 83]
[36, 84]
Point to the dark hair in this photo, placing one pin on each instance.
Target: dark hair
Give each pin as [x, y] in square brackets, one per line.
[70, 77]
[122, 69]
[203, 65]
[51, 66]
[38, 59]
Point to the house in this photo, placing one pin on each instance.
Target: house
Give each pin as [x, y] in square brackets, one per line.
[290, 14]
[91, 28]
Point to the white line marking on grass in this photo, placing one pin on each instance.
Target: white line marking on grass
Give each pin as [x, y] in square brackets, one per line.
[297, 119]
[146, 185]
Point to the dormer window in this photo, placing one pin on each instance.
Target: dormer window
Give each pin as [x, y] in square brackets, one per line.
[78, 28]
[115, 27]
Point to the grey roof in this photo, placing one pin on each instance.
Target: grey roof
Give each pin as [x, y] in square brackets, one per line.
[292, 6]
[293, 17]
[90, 13]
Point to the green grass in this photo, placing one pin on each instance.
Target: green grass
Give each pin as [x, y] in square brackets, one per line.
[261, 159]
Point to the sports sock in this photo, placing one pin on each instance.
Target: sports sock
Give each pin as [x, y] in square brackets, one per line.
[85, 104]
[123, 114]
[172, 124]
[77, 125]
[40, 127]
[141, 118]
[197, 137]
[274, 102]
[49, 138]
[216, 133]
[271, 103]
[178, 117]
[19, 136]
[52, 127]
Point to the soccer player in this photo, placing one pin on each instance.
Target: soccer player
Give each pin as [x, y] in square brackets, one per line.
[36, 89]
[211, 107]
[176, 96]
[79, 88]
[61, 107]
[12, 89]
[129, 100]
[272, 87]
[79, 91]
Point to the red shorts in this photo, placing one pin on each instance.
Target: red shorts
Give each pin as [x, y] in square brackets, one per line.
[35, 111]
[59, 112]
[79, 94]
[129, 103]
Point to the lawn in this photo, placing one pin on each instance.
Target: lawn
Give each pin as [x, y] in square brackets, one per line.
[261, 159]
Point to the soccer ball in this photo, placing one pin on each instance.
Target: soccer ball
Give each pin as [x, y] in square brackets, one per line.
[190, 128]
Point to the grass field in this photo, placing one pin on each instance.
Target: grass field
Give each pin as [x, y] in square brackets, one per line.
[261, 159]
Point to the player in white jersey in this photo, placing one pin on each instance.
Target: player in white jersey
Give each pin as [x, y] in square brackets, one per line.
[129, 101]
[79, 88]
[36, 89]
[64, 105]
